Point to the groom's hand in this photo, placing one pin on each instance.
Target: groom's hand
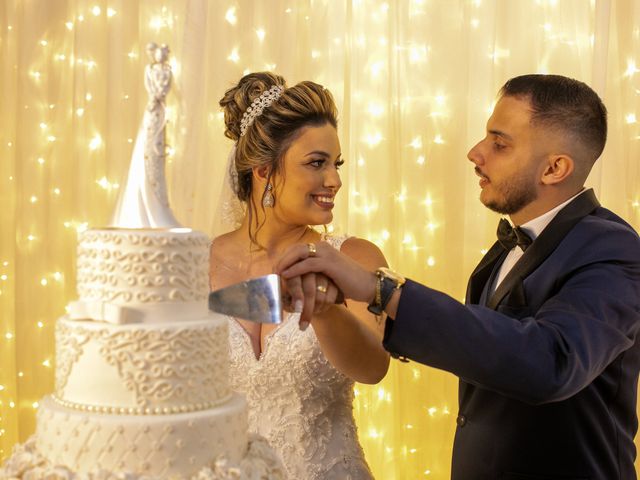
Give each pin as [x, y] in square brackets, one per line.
[349, 277]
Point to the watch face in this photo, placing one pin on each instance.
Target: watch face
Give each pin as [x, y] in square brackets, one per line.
[396, 277]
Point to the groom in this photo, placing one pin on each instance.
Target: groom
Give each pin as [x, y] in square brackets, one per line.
[546, 345]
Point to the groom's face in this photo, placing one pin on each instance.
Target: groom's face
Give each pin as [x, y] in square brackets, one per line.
[509, 159]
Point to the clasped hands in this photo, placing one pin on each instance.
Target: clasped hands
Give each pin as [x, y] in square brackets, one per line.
[316, 277]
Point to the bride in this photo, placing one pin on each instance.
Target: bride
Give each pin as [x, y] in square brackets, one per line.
[298, 381]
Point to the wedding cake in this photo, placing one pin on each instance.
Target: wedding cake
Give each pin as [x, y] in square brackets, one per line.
[141, 376]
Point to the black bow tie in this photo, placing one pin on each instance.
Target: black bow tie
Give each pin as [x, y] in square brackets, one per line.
[509, 236]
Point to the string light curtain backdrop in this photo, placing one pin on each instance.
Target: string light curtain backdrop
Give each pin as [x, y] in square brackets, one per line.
[414, 80]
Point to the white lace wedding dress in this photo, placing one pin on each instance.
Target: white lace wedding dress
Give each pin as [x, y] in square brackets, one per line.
[298, 401]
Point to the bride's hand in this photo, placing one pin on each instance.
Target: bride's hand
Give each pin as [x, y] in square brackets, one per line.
[317, 290]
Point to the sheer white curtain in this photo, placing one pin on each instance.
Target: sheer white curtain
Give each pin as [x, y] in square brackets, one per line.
[415, 81]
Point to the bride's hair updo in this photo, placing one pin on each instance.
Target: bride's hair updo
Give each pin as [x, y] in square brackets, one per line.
[268, 138]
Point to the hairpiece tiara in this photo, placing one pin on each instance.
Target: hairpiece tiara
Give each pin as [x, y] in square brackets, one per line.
[258, 105]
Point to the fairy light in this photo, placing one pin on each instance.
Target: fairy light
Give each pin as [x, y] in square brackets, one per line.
[96, 142]
[40, 160]
[96, 11]
[69, 25]
[416, 143]
[234, 56]
[111, 12]
[44, 282]
[631, 68]
[230, 16]
[260, 34]
[46, 363]
[630, 118]
[44, 43]
[79, 112]
[33, 199]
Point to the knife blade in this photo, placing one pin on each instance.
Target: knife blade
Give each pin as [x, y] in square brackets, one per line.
[257, 299]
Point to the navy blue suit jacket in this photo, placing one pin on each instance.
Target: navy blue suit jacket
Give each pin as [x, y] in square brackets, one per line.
[548, 364]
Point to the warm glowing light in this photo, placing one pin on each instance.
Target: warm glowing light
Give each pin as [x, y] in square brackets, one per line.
[630, 118]
[60, 56]
[315, 54]
[230, 16]
[1, 388]
[386, 235]
[8, 335]
[90, 64]
[373, 139]
[51, 138]
[233, 56]
[40, 324]
[35, 404]
[96, 10]
[260, 33]
[96, 142]
[12, 404]
[44, 282]
[35, 74]
[373, 433]
[41, 160]
[79, 111]
[43, 43]
[376, 68]
[33, 199]
[631, 68]
[475, 23]
[417, 53]
[57, 276]
[438, 139]
[484, 251]
[441, 99]
[132, 55]
[69, 25]
[56, 191]
[416, 142]
[88, 97]
[46, 363]
[31, 238]
[3, 277]
[111, 12]
[432, 411]
[431, 261]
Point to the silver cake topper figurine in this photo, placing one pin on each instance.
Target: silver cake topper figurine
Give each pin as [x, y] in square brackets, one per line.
[143, 203]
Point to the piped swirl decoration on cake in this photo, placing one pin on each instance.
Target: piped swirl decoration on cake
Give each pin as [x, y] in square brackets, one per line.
[142, 369]
[139, 267]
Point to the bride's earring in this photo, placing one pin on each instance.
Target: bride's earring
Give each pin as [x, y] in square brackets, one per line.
[267, 198]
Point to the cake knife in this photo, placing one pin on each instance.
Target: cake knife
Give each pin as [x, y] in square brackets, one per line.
[257, 299]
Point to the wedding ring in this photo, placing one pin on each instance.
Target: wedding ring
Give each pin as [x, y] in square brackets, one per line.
[312, 249]
[322, 288]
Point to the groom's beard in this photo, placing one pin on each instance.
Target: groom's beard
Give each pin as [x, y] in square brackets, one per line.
[513, 194]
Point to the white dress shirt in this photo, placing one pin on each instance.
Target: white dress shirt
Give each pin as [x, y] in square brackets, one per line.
[533, 228]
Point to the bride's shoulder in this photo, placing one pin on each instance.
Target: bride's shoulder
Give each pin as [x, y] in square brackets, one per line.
[225, 244]
[361, 250]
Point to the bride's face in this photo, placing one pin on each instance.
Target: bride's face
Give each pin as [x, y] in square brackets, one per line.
[305, 194]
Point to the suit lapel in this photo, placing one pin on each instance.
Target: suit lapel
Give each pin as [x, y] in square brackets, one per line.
[482, 273]
[546, 243]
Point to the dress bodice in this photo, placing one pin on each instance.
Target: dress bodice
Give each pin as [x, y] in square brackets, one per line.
[298, 401]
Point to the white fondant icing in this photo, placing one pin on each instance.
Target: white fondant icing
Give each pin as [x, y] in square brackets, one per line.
[142, 368]
[138, 268]
[159, 446]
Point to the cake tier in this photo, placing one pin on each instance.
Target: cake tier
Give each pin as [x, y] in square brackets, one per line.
[142, 275]
[142, 368]
[157, 446]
